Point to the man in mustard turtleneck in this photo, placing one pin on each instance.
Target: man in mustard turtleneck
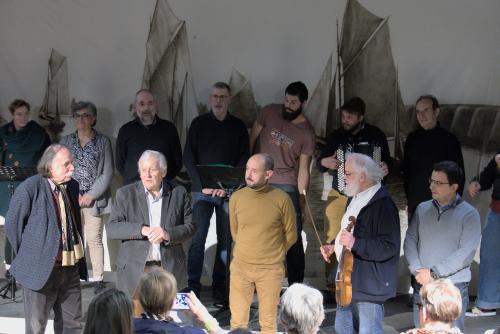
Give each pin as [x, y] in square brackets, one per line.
[262, 220]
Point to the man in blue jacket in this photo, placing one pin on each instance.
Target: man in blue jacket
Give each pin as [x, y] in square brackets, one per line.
[374, 243]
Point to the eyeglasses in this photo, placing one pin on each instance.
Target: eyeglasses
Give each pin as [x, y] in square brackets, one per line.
[149, 171]
[219, 97]
[437, 183]
[82, 116]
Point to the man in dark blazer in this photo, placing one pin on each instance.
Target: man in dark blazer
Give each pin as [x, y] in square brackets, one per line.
[44, 228]
[151, 217]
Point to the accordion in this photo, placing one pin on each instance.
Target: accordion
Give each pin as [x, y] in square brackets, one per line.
[374, 151]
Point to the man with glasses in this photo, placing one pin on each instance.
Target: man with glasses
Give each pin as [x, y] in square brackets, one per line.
[146, 132]
[214, 138]
[443, 236]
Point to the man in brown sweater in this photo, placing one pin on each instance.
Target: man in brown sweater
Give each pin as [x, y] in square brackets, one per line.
[262, 220]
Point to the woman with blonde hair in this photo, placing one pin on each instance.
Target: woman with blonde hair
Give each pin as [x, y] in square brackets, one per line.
[441, 305]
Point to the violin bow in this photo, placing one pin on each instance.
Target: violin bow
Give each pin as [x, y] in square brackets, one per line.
[312, 218]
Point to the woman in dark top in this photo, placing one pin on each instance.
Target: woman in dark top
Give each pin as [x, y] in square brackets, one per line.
[23, 142]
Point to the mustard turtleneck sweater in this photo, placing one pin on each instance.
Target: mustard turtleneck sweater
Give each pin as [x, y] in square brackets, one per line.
[262, 225]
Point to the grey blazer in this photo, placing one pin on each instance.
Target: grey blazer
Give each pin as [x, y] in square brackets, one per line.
[129, 213]
[100, 189]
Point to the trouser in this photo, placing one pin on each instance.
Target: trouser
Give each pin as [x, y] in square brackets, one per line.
[245, 279]
[488, 287]
[203, 208]
[464, 292]
[334, 211]
[295, 258]
[364, 317]
[93, 227]
[61, 293]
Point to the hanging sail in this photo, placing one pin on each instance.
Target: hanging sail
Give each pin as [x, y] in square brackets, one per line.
[243, 104]
[56, 101]
[368, 67]
[167, 70]
[318, 109]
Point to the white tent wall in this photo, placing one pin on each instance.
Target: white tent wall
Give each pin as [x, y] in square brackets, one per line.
[449, 48]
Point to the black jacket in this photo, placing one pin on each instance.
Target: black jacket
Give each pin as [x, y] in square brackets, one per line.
[490, 176]
[376, 250]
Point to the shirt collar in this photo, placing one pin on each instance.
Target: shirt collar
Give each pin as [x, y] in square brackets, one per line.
[368, 193]
[148, 193]
[453, 203]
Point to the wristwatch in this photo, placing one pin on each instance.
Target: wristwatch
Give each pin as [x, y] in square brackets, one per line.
[434, 275]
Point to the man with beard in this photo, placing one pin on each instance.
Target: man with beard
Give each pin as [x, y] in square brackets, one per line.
[354, 132]
[286, 135]
[146, 132]
[216, 137]
[262, 221]
[374, 243]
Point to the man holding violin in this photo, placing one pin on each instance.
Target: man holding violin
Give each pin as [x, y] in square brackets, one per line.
[374, 244]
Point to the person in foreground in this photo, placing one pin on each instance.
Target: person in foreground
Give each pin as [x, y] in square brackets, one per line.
[156, 292]
[441, 305]
[44, 228]
[109, 312]
[374, 243]
[301, 310]
[262, 220]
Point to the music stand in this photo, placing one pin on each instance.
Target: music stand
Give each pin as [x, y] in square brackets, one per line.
[230, 179]
[11, 175]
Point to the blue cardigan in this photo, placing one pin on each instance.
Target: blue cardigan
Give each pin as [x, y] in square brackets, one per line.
[149, 326]
[32, 229]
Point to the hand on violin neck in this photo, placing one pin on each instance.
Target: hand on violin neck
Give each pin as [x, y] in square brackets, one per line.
[347, 239]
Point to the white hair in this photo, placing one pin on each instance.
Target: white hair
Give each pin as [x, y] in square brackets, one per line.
[366, 165]
[150, 154]
[301, 310]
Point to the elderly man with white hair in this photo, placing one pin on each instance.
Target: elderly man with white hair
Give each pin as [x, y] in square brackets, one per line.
[152, 217]
[301, 310]
[374, 243]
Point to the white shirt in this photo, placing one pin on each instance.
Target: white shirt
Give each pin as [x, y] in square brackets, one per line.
[357, 203]
[154, 210]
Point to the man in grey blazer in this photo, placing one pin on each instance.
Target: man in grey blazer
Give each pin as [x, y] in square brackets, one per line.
[44, 228]
[151, 217]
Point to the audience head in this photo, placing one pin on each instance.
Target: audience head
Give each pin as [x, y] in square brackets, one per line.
[441, 301]
[446, 178]
[301, 310]
[240, 331]
[145, 106]
[220, 98]
[259, 170]
[152, 169]
[427, 111]
[109, 312]
[157, 290]
[353, 113]
[20, 111]
[296, 95]
[85, 114]
[56, 163]
[361, 172]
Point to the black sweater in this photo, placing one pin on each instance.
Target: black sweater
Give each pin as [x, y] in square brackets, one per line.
[211, 142]
[376, 250]
[369, 134]
[490, 176]
[424, 148]
[134, 138]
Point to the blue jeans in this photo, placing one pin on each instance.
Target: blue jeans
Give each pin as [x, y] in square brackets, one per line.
[295, 259]
[203, 208]
[464, 292]
[488, 288]
[364, 317]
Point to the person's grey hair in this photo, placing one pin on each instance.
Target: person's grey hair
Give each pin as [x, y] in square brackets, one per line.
[268, 161]
[301, 310]
[222, 85]
[366, 165]
[47, 158]
[150, 154]
[143, 90]
[80, 105]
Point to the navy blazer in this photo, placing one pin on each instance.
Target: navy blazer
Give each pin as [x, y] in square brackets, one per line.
[32, 229]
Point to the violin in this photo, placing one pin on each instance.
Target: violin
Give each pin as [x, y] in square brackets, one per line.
[343, 284]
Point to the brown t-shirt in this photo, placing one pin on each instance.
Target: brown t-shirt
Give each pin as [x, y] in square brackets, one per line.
[285, 142]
